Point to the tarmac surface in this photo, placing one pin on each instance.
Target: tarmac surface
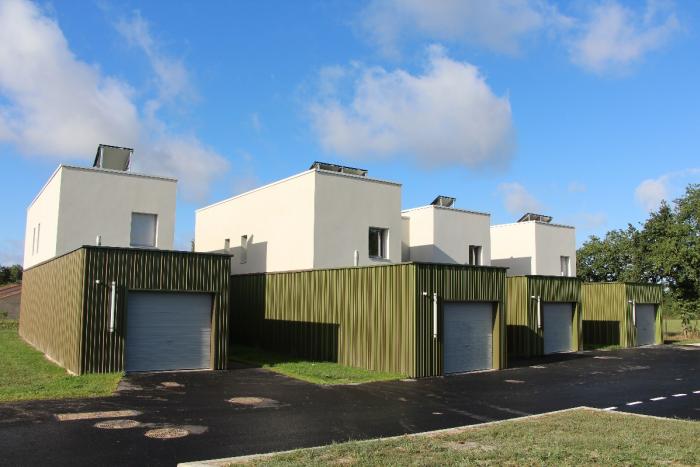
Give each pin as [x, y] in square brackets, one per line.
[249, 410]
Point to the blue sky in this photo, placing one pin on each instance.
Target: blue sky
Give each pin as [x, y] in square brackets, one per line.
[587, 111]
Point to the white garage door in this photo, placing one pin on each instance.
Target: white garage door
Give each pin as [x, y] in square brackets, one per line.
[646, 324]
[167, 331]
[556, 326]
[467, 336]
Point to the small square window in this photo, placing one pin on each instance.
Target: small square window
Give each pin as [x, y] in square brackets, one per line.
[474, 255]
[378, 242]
[565, 266]
[143, 230]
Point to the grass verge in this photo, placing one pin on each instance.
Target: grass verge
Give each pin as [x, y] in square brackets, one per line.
[578, 437]
[305, 370]
[25, 374]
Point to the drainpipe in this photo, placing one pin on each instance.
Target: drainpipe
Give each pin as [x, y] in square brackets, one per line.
[435, 313]
[112, 306]
[539, 310]
[634, 312]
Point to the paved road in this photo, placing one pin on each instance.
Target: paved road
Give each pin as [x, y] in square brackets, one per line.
[294, 414]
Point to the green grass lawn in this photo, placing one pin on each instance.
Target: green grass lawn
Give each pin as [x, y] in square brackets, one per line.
[26, 374]
[313, 372]
[580, 437]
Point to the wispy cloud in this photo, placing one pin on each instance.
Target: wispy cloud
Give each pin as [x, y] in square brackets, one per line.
[650, 192]
[576, 187]
[76, 106]
[11, 252]
[517, 200]
[498, 25]
[615, 36]
[447, 115]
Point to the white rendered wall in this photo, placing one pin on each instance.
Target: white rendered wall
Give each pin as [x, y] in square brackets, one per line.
[443, 235]
[345, 208]
[533, 248]
[278, 220]
[42, 215]
[553, 242]
[514, 246]
[100, 202]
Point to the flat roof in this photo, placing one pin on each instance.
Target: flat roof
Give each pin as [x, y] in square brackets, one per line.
[96, 169]
[467, 211]
[292, 177]
[511, 224]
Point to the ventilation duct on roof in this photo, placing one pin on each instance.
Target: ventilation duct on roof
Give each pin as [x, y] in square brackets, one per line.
[444, 201]
[338, 168]
[113, 157]
[535, 217]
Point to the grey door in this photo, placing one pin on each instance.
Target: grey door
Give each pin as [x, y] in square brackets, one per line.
[167, 331]
[557, 327]
[646, 324]
[467, 331]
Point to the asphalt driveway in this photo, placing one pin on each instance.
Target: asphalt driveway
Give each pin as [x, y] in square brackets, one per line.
[249, 410]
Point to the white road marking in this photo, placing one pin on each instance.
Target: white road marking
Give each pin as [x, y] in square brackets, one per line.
[696, 392]
[634, 403]
[681, 394]
[657, 398]
[610, 408]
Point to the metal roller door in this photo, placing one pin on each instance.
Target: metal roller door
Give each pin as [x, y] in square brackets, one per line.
[557, 327]
[168, 331]
[467, 336]
[646, 324]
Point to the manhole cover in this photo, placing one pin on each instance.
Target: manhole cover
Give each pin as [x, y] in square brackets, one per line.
[167, 433]
[249, 401]
[117, 424]
[171, 384]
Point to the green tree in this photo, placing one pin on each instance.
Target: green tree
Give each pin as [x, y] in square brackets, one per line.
[10, 274]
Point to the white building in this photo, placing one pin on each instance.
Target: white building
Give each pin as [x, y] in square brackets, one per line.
[78, 204]
[535, 246]
[328, 216]
[440, 233]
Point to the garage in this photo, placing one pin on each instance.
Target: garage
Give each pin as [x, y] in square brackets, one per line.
[557, 327]
[168, 331]
[468, 336]
[646, 324]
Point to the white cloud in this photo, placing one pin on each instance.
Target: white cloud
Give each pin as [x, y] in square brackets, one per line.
[517, 199]
[498, 25]
[593, 220]
[577, 187]
[650, 192]
[55, 105]
[615, 36]
[447, 115]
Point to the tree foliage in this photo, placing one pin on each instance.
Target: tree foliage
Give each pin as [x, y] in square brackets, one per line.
[10, 274]
[664, 249]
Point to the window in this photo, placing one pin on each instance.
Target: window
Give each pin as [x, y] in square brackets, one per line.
[143, 230]
[34, 240]
[474, 255]
[227, 244]
[244, 249]
[38, 236]
[377, 242]
[565, 266]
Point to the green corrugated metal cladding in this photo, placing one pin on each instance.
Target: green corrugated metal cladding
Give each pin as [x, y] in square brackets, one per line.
[607, 311]
[525, 338]
[64, 294]
[373, 317]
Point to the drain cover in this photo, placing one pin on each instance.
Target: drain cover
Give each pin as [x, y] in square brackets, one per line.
[117, 424]
[249, 401]
[167, 433]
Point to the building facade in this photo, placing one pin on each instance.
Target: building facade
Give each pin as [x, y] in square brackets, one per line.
[326, 217]
[534, 246]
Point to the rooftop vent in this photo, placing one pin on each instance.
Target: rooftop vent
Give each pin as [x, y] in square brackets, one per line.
[535, 217]
[113, 157]
[338, 168]
[444, 201]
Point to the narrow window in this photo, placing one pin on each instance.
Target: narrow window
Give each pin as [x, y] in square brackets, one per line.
[474, 255]
[227, 244]
[565, 266]
[143, 230]
[244, 249]
[34, 240]
[38, 236]
[378, 242]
